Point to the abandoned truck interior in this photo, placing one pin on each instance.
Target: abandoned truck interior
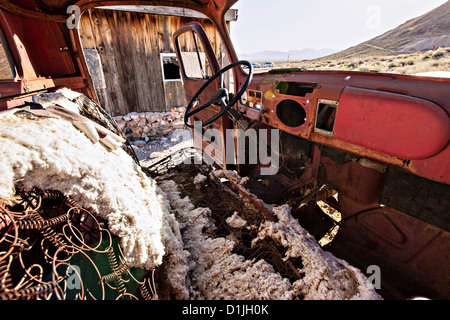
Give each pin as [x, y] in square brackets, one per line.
[372, 146]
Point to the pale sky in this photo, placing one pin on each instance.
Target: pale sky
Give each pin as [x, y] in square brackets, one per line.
[284, 25]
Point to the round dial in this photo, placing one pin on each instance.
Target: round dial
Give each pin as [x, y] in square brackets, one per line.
[244, 99]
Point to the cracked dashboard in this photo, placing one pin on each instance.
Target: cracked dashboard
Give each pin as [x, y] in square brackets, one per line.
[358, 113]
[281, 104]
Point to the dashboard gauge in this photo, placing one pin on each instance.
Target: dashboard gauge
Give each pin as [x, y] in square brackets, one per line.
[252, 99]
[244, 99]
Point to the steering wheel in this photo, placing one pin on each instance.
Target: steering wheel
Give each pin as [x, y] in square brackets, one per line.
[220, 96]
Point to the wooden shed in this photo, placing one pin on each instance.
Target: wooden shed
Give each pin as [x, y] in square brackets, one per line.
[131, 56]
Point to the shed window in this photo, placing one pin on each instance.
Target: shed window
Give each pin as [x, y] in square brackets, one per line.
[170, 67]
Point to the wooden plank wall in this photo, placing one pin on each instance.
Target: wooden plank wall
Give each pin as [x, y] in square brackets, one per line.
[129, 45]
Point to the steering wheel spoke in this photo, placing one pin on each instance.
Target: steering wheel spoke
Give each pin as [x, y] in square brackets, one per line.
[220, 97]
[198, 109]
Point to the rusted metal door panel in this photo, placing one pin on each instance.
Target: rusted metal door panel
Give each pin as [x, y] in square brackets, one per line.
[412, 255]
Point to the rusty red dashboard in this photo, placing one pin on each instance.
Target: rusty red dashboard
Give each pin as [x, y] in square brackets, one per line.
[397, 120]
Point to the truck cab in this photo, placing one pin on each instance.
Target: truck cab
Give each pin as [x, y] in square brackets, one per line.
[373, 146]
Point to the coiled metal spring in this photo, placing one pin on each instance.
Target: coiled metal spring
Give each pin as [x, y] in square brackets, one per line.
[5, 280]
[36, 222]
[143, 289]
[28, 293]
[42, 230]
[117, 271]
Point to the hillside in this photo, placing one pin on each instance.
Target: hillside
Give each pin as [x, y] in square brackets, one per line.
[418, 34]
[437, 61]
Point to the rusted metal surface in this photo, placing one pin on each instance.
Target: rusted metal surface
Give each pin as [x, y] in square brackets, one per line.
[331, 85]
[410, 252]
[397, 125]
[52, 248]
[35, 49]
[412, 255]
[29, 13]
[33, 87]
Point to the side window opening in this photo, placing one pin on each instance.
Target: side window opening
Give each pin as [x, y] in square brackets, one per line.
[326, 116]
[193, 56]
[6, 66]
[170, 67]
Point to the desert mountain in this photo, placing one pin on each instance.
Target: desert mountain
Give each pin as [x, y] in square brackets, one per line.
[293, 55]
[418, 34]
